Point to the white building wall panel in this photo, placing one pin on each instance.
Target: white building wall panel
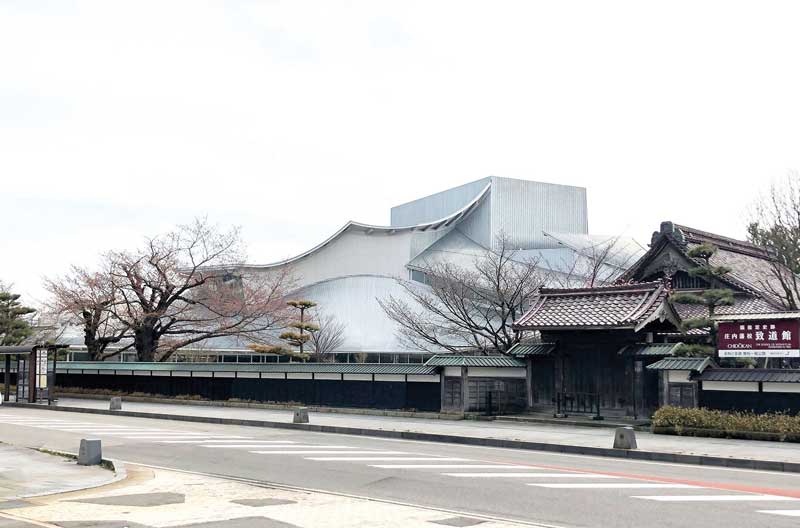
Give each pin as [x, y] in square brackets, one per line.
[423, 378]
[327, 376]
[299, 375]
[495, 372]
[678, 376]
[735, 386]
[357, 377]
[769, 386]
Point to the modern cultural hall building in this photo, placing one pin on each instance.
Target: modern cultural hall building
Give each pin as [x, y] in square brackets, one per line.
[360, 263]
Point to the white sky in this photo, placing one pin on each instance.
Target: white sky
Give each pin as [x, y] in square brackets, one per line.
[121, 119]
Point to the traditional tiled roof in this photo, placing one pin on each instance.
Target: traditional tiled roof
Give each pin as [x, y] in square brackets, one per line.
[532, 349]
[741, 304]
[680, 363]
[751, 375]
[751, 265]
[622, 306]
[651, 349]
[449, 360]
[757, 316]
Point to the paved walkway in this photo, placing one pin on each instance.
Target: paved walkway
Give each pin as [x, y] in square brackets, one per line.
[531, 432]
[26, 473]
[153, 498]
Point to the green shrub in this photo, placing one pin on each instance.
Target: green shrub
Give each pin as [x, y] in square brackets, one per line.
[680, 418]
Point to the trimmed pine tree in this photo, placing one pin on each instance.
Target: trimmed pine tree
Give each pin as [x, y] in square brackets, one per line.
[711, 298]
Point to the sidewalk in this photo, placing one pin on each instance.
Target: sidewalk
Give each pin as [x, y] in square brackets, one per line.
[155, 498]
[27, 473]
[596, 441]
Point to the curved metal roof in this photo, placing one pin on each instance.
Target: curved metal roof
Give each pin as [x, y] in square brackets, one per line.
[447, 221]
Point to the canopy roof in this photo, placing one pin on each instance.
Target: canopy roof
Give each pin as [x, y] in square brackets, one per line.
[449, 360]
[681, 363]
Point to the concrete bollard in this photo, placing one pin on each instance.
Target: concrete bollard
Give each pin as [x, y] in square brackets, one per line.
[300, 415]
[625, 438]
[116, 404]
[91, 452]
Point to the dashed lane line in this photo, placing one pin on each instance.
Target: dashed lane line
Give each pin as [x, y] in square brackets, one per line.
[605, 485]
[387, 459]
[329, 452]
[271, 442]
[288, 447]
[449, 466]
[785, 513]
[713, 498]
[528, 475]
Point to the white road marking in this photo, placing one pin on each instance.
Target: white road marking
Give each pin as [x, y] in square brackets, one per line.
[528, 475]
[388, 459]
[605, 485]
[786, 513]
[271, 442]
[289, 448]
[715, 498]
[162, 437]
[449, 466]
[329, 452]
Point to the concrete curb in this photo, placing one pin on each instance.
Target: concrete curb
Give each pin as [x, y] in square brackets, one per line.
[650, 456]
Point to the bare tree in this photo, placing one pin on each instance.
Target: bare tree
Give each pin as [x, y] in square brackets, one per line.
[89, 298]
[595, 264]
[776, 228]
[188, 286]
[328, 338]
[467, 308]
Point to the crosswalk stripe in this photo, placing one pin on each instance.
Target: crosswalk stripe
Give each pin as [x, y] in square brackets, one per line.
[288, 447]
[715, 498]
[449, 466]
[388, 459]
[605, 485]
[786, 513]
[270, 442]
[328, 452]
[529, 475]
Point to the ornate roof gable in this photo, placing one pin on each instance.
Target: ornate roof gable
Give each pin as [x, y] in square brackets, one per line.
[668, 253]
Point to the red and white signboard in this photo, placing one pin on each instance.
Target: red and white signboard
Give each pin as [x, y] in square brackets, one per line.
[760, 339]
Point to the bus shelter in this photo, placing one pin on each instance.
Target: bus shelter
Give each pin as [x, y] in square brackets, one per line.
[35, 372]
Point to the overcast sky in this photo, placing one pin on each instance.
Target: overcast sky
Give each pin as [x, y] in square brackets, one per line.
[121, 119]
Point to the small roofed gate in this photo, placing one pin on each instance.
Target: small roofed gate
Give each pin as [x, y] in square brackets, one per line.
[594, 369]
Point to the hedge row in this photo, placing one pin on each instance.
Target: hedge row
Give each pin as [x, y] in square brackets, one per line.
[734, 423]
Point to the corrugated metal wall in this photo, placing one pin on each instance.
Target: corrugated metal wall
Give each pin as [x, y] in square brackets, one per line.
[523, 209]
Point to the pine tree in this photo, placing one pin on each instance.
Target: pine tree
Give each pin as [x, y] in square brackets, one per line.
[298, 338]
[13, 326]
[710, 298]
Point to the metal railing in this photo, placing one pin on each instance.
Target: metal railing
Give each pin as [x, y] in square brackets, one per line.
[578, 402]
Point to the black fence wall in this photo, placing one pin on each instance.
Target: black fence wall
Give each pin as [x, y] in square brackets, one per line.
[333, 393]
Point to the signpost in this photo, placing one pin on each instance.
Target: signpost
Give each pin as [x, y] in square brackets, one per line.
[777, 338]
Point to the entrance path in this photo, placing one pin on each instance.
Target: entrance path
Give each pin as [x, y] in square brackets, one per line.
[527, 432]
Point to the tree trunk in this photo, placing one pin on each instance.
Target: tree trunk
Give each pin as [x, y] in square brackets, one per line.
[90, 337]
[145, 340]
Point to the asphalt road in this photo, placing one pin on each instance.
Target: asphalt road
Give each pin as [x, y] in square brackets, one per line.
[527, 486]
